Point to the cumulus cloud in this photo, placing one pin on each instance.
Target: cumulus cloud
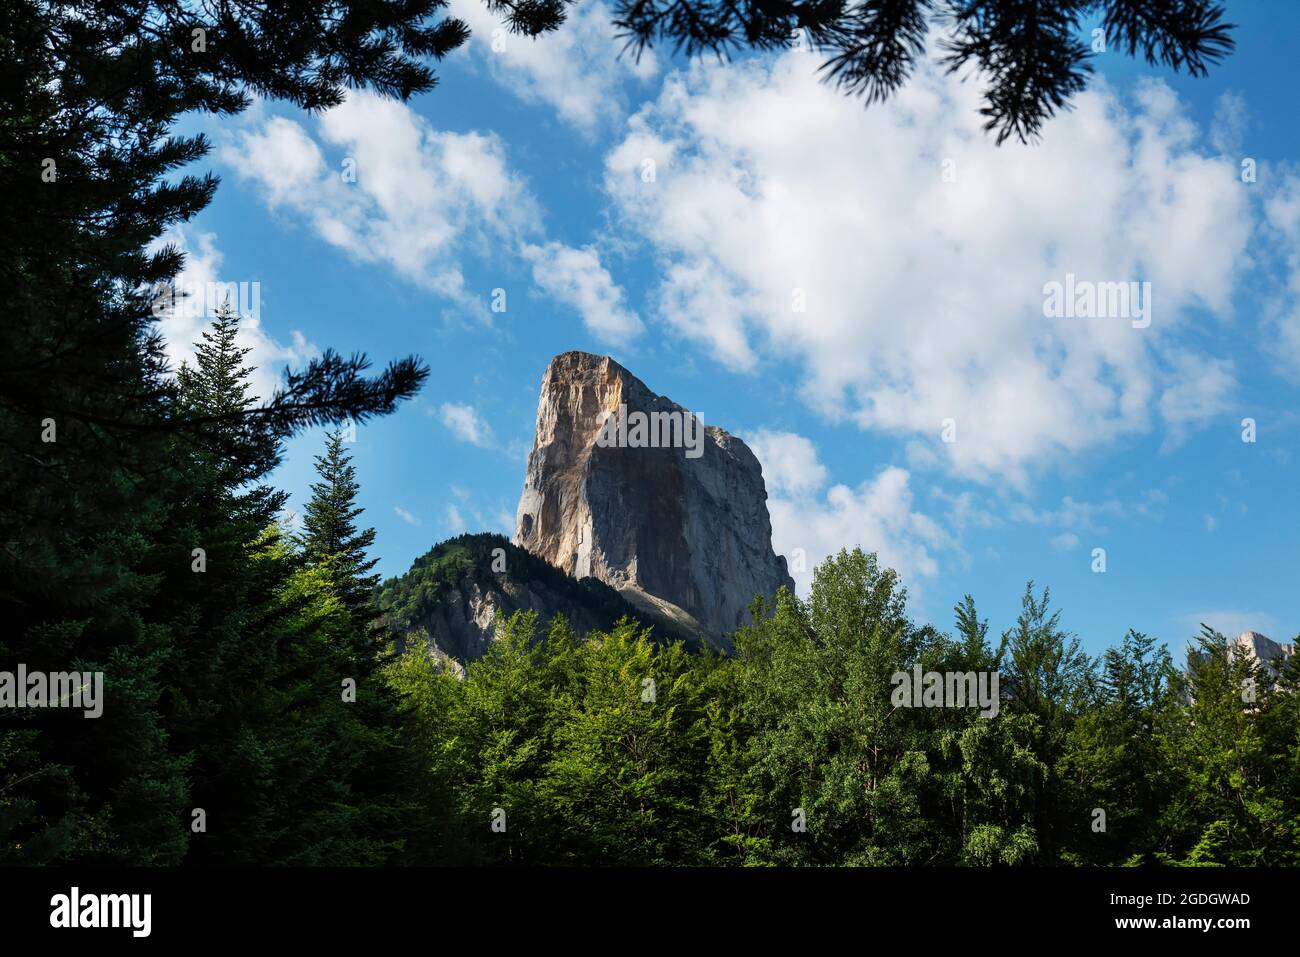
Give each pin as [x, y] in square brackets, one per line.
[966, 510]
[901, 258]
[577, 70]
[576, 278]
[399, 192]
[790, 463]
[877, 515]
[200, 289]
[396, 190]
[465, 423]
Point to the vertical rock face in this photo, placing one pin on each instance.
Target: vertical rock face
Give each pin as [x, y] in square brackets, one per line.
[1272, 655]
[682, 532]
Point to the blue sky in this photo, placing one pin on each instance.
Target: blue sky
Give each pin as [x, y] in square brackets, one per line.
[919, 252]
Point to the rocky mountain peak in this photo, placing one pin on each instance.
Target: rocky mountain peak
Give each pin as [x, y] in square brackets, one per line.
[632, 489]
[1272, 655]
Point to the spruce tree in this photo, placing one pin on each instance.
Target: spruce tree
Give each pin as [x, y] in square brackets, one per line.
[330, 537]
[293, 749]
[106, 458]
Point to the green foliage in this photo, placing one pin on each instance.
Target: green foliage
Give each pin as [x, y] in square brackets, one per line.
[872, 778]
[284, 766]
[1047, 675]
[256, 687]
[1113, 759]
[224, 651]
[330, 538]
[799, 726]
[816, 688]
[113, 470]
[1231, 762]
[593, 750]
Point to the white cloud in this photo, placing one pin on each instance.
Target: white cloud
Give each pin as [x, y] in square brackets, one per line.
[1201, 388]
[878, 515]
[490, 518]
[397, 191]
[924, 298]
[1228, 129]
[280, 156]
[465, 423]
[405, 516]
[420, 198]
[576, 277]
[790, 463]
[577, 70]
[183, 324]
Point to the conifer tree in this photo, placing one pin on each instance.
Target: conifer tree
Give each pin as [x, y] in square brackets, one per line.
[105, 457]
[1113, 760]
[1046, 676]
[294, 752]
[330, 537]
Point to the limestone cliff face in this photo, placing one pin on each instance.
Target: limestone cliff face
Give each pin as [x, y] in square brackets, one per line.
[1272, 655]
[685, 537]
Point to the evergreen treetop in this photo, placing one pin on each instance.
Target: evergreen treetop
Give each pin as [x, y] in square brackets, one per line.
[330, 537]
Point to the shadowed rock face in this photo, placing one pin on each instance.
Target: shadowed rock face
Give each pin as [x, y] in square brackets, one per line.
[687, 539]
[462, 624]
[452, 597]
